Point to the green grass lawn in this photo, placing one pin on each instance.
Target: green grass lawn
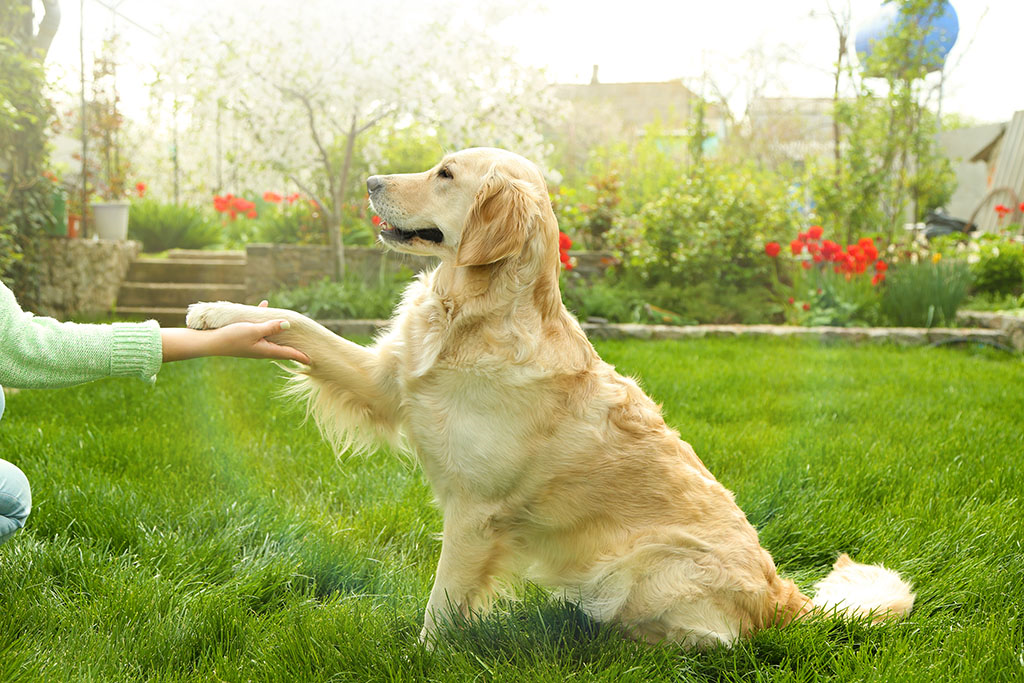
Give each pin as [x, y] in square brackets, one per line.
[193, 531]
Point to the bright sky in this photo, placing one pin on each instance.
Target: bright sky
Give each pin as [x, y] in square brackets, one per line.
[644, 40]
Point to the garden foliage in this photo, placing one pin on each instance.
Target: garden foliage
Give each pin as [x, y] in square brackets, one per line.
[162, 226]
[350, 298]
[26, 195]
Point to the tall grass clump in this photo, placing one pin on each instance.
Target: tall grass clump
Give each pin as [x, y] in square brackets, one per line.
[925, 294]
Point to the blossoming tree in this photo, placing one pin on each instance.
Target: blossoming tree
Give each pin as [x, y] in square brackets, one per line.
[305, 86]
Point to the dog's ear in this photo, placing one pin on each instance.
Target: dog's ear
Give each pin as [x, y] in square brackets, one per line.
[498, 223]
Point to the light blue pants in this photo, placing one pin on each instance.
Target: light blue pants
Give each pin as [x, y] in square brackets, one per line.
[15, 495]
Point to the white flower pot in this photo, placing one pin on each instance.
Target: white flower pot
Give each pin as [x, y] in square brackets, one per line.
[110, 220]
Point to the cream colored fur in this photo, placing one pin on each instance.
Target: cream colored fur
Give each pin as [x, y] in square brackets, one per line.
[546, 462]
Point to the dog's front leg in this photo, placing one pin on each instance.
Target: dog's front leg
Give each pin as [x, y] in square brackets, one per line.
[472, 552]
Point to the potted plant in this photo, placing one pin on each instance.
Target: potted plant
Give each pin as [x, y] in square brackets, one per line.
[110, 210]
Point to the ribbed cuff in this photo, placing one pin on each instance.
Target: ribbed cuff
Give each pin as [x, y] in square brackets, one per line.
[137, 350]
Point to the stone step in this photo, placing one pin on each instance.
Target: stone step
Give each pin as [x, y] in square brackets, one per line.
[192, 254]
[226, 271]
[167, 317]
[177, 294]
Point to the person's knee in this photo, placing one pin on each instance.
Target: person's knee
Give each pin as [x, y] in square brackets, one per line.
[15, 499]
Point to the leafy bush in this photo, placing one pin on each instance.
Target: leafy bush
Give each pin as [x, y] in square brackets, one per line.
[296, 223]
[999, 269]
[601, 298]
[168, 226]
[838, 300]
[707, 227]
[624, 298]
[926, 293]
[352, 298]
[26, 197]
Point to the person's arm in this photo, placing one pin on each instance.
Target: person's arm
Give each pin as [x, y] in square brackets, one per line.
[244, 340]
[39, 352]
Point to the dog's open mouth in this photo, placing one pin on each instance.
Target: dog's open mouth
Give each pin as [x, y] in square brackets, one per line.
[395, 234]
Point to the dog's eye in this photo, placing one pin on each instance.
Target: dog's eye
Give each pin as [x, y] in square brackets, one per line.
[445, 173]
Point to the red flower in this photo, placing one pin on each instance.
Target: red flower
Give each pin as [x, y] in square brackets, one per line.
[563, 241]
[272, 197]
[878, 278]
[806, 265]
[881, 266]
[1002, 210]
[140, 189]
[807, 307]
[796, 246]
[1021, 207]
[830, 249]
[791, 300]
[803, 236]
[292, 197]
[815, 232]
[772, 249]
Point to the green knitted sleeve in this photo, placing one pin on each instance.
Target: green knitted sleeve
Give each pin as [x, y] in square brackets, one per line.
[38, 352]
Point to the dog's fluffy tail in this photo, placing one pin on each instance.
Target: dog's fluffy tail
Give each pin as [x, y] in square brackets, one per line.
[862, 590]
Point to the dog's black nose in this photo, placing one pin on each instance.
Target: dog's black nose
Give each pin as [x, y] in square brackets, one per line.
[373, 182]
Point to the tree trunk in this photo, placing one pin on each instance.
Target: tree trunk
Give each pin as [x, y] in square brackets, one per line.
[47, 27]
[339, 198]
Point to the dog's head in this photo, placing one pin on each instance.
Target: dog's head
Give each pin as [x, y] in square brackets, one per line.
[476, 207]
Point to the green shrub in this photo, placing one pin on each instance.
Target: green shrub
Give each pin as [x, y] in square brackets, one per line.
[168, 226]
[353, 298]
[999, 270]
[295, 223]
[709, 227]
[838, 300]
[625, 298]
[925, 294]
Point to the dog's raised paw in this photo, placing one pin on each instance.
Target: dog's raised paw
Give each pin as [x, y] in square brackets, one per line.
[203, 315]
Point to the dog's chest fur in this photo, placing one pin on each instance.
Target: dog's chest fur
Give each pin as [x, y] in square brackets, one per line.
[468, 411]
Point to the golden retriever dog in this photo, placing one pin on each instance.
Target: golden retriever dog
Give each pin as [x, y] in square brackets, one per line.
[546, 463]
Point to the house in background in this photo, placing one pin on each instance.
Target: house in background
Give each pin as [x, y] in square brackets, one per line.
[966, 149]
[991, 172]
[604, 112]
[792, 130]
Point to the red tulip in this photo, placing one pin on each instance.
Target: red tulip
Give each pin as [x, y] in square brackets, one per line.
[815, 232]
[772, 249]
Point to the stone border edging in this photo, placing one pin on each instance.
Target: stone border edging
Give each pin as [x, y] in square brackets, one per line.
[1005, 333]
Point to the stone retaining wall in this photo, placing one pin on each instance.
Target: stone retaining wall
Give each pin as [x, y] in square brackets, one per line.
[271, 267]
[1011, 325]
[80, 277]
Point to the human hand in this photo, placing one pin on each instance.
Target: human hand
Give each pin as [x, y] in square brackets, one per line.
[242, 340]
